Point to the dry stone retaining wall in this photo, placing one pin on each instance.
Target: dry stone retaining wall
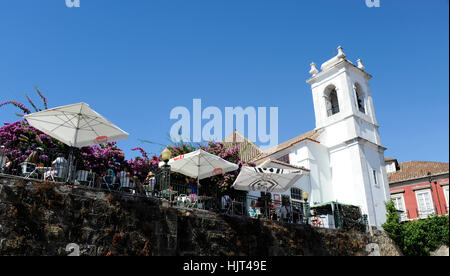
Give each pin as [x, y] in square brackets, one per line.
[38, 218]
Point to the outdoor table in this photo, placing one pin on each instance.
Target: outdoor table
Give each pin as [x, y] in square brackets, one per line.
[27, 168]
[38, 171]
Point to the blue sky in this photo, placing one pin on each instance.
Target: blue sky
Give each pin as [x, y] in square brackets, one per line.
[133, 61]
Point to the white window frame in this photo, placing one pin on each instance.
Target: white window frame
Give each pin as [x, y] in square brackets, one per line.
[375, 178]
[403, 215]
[424, 213]
[445, 189]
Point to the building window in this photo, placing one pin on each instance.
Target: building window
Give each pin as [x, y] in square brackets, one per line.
[331, 101]
[399, 203]
[446, 195]
[359, 98]
[296, 193]
[424, 203]
[284, 159]
[375, 180]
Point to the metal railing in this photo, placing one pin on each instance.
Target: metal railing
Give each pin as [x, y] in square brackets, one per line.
[178, 193]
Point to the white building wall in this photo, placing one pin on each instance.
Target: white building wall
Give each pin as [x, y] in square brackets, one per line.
[314, 157]
[390, 167]
[379, 192]
[353, 182]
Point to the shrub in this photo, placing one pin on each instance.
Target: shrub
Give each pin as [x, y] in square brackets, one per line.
[417, 238]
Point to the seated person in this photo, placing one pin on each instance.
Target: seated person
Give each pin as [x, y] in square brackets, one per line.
[5, 163]
[192, 185]
[284, 214]
[226, 202]
[60, 166]
[138, 185]
[109, 179]
[274, 215]
[51, 173]
[150, 180]
[252, 210]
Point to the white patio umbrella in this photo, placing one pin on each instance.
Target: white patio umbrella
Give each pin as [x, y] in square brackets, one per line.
[266, 179]
[200, 165]
[76, 125]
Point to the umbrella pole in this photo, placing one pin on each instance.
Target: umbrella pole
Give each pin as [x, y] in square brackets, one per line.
[69, 175]
[198, 175]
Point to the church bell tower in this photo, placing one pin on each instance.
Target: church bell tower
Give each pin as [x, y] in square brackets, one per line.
[344, 109]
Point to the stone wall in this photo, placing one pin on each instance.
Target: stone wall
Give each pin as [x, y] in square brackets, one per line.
[38, 218]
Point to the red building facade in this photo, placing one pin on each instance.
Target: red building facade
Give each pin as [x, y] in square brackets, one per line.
[419, 189]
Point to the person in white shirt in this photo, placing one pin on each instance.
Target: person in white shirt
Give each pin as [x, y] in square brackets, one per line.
[284, 213]
[5, 163]
[125, 178]
[150, 181]
[226, 201]
[61, 166]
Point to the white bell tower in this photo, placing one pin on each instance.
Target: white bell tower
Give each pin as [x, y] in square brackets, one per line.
[344, 109]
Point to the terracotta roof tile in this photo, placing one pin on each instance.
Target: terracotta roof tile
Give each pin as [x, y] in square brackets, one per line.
[417, 169]
[287, 165]
[247, 149]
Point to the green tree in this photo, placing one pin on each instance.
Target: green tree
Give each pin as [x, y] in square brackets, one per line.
[416, 238]
[392, 225]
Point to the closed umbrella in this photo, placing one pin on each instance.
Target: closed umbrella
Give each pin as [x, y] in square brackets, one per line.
[76, 125]
[267, 179]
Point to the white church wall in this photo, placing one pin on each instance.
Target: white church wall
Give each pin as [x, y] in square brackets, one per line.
[317, 161]
[354, 182]
[379, 190]
[348, 176]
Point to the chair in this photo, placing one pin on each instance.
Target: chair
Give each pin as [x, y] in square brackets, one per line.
[125, 183]
[183, 200]
[91, 179]
[61, 169]
[81, 177]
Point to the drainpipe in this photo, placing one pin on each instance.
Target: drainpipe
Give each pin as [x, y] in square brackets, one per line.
[437, 193]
